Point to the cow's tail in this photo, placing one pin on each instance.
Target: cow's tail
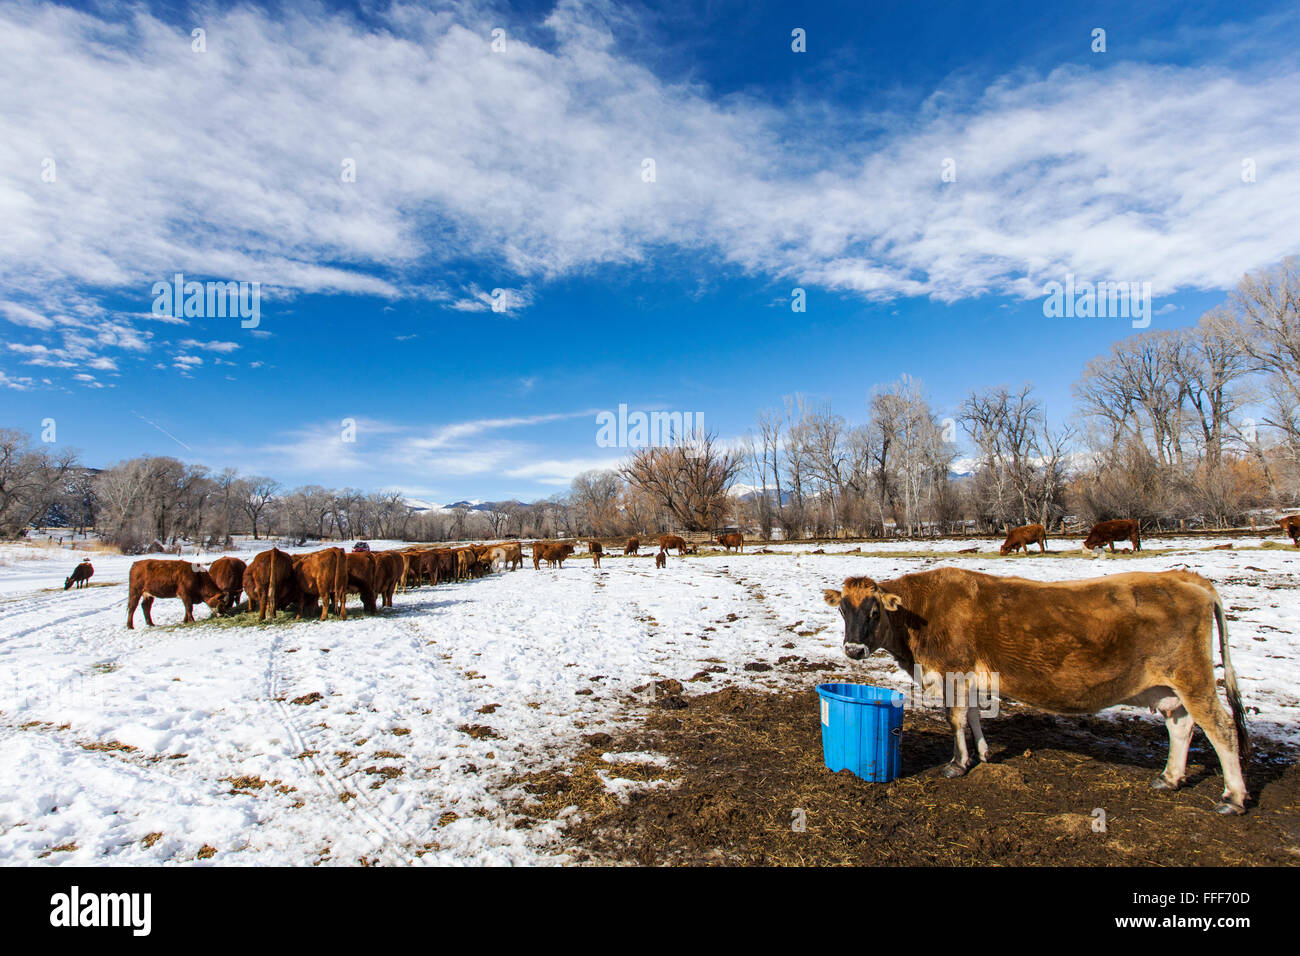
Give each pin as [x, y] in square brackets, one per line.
[341, 583]
[1230, 683]
[269, 600]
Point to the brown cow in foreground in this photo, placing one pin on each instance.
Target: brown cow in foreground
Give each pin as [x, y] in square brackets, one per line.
[80, 575]
[229, 575]
[596, 550]
[732, 540]
[667, 541]
[1108, 532]
[1023, 537]
[270, 582]
[661, 559]
[155, 578]
[1072, 647]
[1291, 525]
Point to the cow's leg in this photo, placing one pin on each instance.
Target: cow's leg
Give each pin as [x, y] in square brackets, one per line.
[1180, 725]
[981, 745]
[147, 605]
[132, 603]
[960, 754]
[1206, 710]
[189, 611]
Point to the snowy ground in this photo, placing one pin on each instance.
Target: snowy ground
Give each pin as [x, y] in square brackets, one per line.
[162, 745]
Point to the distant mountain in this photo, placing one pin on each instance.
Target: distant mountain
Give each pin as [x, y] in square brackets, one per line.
[420, 506]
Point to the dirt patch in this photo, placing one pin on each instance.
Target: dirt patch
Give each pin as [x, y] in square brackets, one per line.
[479, 731]
[743, 783]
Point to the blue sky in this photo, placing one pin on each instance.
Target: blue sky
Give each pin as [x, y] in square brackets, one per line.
[521, 170]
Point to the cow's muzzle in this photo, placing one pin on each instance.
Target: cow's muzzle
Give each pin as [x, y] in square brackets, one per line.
[855, 652]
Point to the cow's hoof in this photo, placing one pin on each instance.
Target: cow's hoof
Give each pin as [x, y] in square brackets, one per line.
[951, 770]
[1160, 783]
[1228, 809]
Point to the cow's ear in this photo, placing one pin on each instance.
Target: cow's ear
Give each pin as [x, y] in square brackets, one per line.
[832, 597]
[890, 602]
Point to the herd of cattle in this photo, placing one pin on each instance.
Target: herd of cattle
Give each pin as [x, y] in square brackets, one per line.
[321, 581]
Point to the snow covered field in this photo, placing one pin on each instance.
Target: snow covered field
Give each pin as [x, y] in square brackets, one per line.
[205, 742]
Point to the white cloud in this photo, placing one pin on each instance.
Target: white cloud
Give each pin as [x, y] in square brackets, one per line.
[211, 346]
[514, 161]
[446, 435]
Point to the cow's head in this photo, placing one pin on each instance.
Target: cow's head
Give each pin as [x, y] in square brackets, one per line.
[209, 593]
[1006, 546]
[863, 605]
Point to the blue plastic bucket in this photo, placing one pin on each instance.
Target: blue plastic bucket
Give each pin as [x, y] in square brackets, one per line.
[861, 728]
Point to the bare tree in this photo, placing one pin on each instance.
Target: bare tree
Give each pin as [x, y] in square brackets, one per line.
[688, 481]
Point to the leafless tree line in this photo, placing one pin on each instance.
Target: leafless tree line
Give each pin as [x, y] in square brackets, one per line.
[1199, 423]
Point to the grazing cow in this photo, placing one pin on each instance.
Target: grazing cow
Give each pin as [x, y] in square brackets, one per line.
[732, 540]
[1023, 537]
[389, 570]
[667, 541]
[323, 577]
[466, 560]
[1108, 532]
[229, 575]
[80, 575]
[596, 551]
[270, 582]
[661, 559]
[632, 547]
[157, 578]
[1291, 525]
[362, 570]
[443, 565]
[1072, 647]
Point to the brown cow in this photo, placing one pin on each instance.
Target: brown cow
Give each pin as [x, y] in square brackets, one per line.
[80, 574]
[1291, 525]
[322, 577]
[390, 566]
[1023, 537]
[156, 578]
[596, 550]
[667, 541]
[362, 570]
[229, 575]
[661, 559]
[1072, 647]
[514, 555]
[552, 554]
[508, 554]
[274, 565]
[732, 540]
[632, 547]
[1108, 532]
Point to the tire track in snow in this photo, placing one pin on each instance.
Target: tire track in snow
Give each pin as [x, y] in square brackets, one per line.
[375, 826]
